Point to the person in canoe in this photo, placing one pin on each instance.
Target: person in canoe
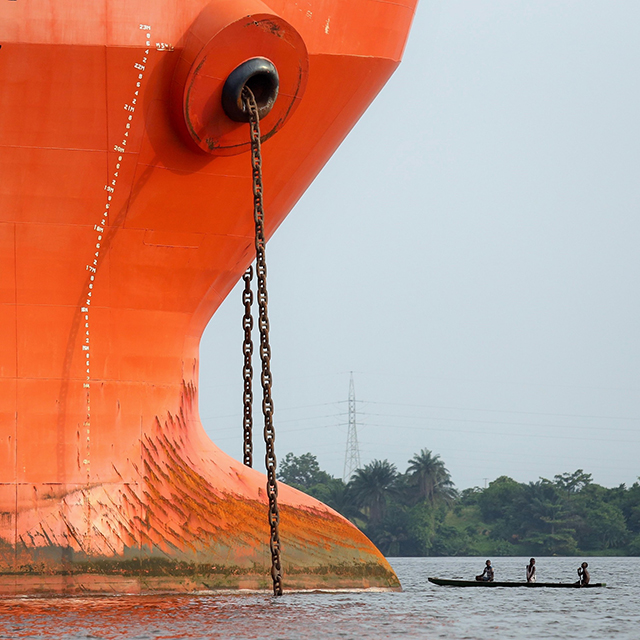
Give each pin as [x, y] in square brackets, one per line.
[487, 574]
[583, 575]
[531, 570]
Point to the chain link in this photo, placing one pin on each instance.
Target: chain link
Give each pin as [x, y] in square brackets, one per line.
[265, 350]
[247, 372]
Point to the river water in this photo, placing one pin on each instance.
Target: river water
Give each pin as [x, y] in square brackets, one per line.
[421, 610]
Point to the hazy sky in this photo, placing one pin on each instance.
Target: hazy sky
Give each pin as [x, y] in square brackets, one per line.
[471, 254]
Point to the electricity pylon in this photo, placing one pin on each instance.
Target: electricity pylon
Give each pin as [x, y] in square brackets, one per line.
[352, 454]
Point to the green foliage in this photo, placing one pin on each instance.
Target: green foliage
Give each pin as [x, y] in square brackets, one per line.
[601, 524]
[421, 528]
[496, 502]
[634, 546]
[301, 471]
[572, 482]
[429, 479]
[372, 488]
[391, 536]
[629, 501]
[552, 544]
[338, 496]
[420, 513]
[450, 541]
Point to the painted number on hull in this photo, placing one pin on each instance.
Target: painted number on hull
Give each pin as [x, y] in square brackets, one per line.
[99, 239]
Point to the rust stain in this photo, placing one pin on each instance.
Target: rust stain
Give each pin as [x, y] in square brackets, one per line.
[169, 520]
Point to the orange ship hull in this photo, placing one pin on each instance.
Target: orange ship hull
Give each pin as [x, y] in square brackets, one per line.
[125, 220]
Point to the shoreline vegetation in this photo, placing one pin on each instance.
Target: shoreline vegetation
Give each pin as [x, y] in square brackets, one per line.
[419, 512]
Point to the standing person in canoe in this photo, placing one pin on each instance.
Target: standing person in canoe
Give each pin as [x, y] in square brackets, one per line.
[531, 570]
[583, 575]
[487, 574]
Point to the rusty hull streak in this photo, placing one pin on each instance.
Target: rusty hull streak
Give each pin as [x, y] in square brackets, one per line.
[170, 529]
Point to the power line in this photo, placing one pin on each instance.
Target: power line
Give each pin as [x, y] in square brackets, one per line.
[498, 383]
[508, 424]
[497, 433]
[427, 429]
[531, 413]
[321, 417]
[280, 409]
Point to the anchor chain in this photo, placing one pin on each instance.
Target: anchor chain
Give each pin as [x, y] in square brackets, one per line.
[250, 105]
[247, 372]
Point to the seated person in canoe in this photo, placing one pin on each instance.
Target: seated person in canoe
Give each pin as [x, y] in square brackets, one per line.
[487, 574]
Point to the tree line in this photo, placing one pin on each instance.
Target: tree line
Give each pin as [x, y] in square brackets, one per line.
[419, 512]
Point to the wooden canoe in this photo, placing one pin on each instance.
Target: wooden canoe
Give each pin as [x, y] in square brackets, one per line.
[478, 583]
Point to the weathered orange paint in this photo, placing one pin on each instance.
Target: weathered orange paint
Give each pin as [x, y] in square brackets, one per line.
[119, 238]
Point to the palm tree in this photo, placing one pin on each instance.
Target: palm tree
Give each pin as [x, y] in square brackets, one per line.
[371, 486]
[430, 478]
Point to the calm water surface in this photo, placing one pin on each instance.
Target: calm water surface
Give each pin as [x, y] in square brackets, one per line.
[422, 610]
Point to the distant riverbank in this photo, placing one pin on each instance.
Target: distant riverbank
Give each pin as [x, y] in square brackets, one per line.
[420, 512]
